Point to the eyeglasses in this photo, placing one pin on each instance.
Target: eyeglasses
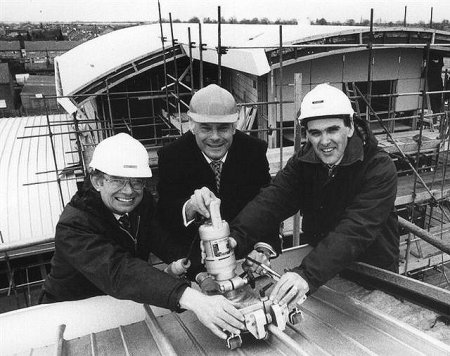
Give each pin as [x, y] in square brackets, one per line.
[120, 182]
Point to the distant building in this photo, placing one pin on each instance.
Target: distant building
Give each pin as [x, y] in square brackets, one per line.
[9, 50]
[38, 95]
[40, 54]
[6, 90]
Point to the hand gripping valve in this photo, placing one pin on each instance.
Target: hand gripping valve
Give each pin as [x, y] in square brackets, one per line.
[221, 277]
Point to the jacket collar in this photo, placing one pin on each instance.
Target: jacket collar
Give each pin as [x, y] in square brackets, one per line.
[353, 152]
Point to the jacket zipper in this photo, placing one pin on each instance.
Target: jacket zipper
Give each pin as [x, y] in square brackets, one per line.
[137, 232]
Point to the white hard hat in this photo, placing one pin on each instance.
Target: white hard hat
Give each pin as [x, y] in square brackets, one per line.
[325, 100]
[213, 104]
[121, 155]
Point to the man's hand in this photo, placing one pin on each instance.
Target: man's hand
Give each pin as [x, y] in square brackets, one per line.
[262, 258]
[178, 268]
[215, 312]
[199, 203]
[289, 289]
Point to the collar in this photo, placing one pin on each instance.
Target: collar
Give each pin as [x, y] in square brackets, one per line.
[118, 216]
[353, 152]
[209, 160]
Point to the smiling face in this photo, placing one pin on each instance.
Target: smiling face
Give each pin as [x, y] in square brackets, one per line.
[119, 200]
[329, 138]
[214, 140]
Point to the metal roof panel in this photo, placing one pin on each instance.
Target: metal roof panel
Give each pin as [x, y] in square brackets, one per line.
[30, 212]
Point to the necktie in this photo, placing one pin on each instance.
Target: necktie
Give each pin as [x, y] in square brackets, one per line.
[217, 169]
[124, 221]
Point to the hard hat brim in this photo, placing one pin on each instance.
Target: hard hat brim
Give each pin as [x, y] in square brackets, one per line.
[145, 172]
[305, 120]
[221, 119]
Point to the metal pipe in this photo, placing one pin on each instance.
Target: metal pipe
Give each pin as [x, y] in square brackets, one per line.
[281, 94]
[111, 121]
[200, 49]
[404, 17]
[129, 113]
[52, 144]
[12, 246]
[424, 235]
[421, 118]
[175, 68]
[77, 135]
[219, 49]
[431, 17]
[163, 39]
[369, 67]
[430, 295]
[12, 283]
[191, 62]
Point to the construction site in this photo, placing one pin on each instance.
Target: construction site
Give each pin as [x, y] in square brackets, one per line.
[139, 80]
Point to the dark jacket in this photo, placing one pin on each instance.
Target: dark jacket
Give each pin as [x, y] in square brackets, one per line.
[94, 255]
[348, 213]
[183, 168]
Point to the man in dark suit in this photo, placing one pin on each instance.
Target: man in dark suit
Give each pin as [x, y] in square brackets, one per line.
[212, 160]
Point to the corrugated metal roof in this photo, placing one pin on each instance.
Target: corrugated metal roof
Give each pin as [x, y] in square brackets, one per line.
[332, 324]
[31, 212]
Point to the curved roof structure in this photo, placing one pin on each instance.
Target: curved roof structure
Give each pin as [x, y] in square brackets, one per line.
[30, 211]
[105, 61]
[112, 58]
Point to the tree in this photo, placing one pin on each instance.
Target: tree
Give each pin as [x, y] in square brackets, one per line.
[350, 22]
[194, 19]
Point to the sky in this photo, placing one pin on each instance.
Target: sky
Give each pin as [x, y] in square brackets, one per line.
[147, 10]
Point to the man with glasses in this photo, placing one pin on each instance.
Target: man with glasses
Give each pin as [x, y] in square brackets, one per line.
[106, 233]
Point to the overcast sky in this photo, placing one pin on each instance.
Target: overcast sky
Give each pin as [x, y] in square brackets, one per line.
[147, 10]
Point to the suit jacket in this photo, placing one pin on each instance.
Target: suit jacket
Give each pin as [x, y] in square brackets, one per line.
[183, 168]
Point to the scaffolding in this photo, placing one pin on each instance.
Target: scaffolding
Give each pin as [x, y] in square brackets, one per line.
[421, 158]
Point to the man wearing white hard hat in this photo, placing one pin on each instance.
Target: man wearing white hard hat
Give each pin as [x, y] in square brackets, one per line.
[212, 160]
[345, 188]
[106, 233]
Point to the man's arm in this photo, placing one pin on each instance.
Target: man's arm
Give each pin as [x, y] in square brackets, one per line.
[358, 228]
[261, 218]
[111, 268]
[117, 273]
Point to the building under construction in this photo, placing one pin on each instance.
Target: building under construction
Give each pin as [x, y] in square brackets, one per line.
[140, 79]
